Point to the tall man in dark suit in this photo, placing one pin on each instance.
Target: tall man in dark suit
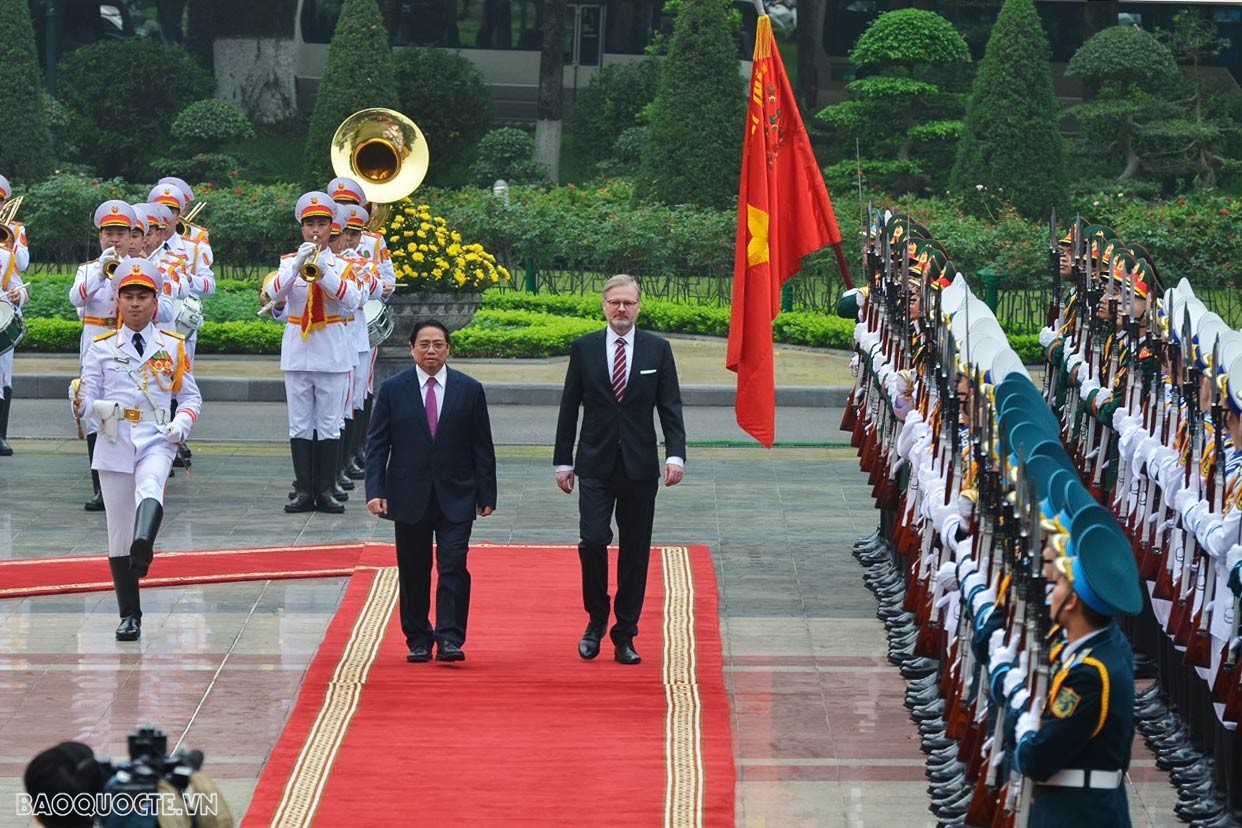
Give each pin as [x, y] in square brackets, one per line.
[620, 376]
[431, 468]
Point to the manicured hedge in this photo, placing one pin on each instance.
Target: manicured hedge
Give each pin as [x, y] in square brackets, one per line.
[519, 335]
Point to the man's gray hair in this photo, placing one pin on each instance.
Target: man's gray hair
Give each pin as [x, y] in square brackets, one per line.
[620, 280]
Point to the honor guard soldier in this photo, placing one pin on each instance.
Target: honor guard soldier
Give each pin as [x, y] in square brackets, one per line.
[94, 295]
[1076, 743]
[129, 376]
[14, 259]
[372, 287]
[370, 245]
[147, 219]
[194, 248]
[316, 353]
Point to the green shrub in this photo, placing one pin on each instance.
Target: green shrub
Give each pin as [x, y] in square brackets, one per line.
[611, 105]
[52, 336]
[507, 153]
[257, 337]
[519, 334]
[122, 95]
[26, 151]
[693, 147]
[251, 224]
[454, 110]
[58, 212]
[627, 153]
[358, 75]
[206, 126]
[205, 167]
[1012, 140]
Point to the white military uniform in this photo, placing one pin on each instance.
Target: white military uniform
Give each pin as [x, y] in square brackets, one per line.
[316, 359]
[137, 441]
[10, 278]
[196, 249]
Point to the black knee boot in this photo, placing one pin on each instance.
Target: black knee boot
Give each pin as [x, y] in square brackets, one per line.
[147, 519]
[343, 480]
[95, 504]
[303, 499]
[5, 449]
[125, 582]
[356, 468]
[326, 454]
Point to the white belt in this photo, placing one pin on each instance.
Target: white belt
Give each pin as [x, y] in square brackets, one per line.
[1102, 780]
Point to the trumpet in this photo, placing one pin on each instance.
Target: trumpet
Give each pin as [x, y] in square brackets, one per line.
[183, 223]
[8, 233]
[310, 269]
[110, 262]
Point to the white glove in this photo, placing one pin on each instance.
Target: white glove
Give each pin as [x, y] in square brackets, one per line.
[179, 428]
[1046, 337]
[304, 253]
[854, 363]
[982, 598]
[946, 576]
[109, 255]
[995, 645]
[1005, 654]
[1233, 557]
[1016, 677]
[965, 507]
[1197, 517]
[1086, 388]
[79, 411]
[1028, 722]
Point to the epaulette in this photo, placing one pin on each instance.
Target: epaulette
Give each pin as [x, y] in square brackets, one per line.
[173, 334]
[101, 337]
[288, 256]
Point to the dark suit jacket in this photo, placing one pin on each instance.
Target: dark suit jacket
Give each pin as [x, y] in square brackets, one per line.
[406, 466]
[607, 424]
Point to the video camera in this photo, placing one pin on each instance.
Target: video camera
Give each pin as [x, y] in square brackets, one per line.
[153, 783]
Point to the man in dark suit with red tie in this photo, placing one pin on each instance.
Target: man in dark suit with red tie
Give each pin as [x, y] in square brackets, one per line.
[621, 377]
[431, 469]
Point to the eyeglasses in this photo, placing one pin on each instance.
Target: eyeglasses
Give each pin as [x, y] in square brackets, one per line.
[438, 345]
[621, 304]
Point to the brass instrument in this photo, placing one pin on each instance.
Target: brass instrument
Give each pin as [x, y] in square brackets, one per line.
[310, 269]
[110, 266]
[183, 223]
[385, 152]
[8, 233]
[76, 386]
[265, 296]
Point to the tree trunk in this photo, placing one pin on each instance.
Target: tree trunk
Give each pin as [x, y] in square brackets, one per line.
[810, 26]
[550, 107]
[1132, 163]
[256, 73]
[903, 153]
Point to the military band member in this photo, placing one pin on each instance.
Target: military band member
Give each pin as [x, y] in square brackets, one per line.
[316, 353]
[21, 249]
[94, 295]
[369, 245]
[176, 195]
[129, 376]
[371, 286]
[13, 293]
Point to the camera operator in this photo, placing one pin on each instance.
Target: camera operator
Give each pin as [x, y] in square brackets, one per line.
[68, 770]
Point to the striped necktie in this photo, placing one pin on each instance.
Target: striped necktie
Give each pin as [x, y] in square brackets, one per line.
[618, 371]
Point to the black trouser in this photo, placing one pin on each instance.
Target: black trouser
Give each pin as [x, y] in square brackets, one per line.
[634, 503]
[452, 541]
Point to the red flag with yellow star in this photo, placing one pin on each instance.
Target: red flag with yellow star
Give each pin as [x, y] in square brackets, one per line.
[783, 214]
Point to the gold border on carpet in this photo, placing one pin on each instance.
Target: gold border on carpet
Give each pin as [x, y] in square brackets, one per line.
[310, 773]
[683, 736]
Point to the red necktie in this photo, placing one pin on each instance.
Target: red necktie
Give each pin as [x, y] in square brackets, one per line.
[433, 407]
[618, 371]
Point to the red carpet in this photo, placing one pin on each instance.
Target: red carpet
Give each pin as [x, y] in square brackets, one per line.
[523, 732]
[47, 576]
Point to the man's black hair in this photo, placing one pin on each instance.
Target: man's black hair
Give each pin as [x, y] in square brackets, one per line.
[430, 323]
[69, 769]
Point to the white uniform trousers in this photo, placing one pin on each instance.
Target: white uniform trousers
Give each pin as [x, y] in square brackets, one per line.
[361, 383]
[316, 402]
[123, 491]
[6, 371]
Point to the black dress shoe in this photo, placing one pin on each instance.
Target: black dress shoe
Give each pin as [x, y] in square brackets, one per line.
[95, 504]
[448, 651]
[588, 647]
[625, 654]
[129, 629]
[419, 654]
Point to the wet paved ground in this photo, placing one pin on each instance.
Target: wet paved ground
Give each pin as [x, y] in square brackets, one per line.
[821, 737]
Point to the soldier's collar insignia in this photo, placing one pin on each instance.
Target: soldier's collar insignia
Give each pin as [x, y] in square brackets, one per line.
[1066, 702]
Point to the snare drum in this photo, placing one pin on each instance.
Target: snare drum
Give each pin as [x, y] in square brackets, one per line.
[12, 328]
[379, 322]
[189, 315]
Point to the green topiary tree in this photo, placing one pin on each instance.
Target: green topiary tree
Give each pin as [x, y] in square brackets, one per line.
[903, 107]
[613, 103]
[120, 113]
[693, 147]
[1011, 140]
[28, 158]
[453, 112]
[507, 153]
[358, 75]
[1132, 82]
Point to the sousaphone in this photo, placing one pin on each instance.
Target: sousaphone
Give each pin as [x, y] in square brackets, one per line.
[385, 152]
